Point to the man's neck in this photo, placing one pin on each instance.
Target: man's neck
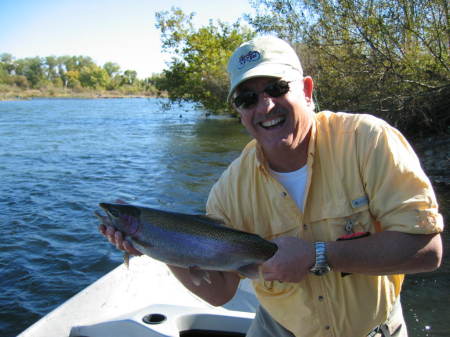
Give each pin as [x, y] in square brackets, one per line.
[288, 159]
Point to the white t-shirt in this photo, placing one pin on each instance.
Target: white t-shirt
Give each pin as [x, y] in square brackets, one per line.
[295, 183]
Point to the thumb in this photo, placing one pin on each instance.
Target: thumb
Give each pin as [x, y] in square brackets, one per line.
[268, 271]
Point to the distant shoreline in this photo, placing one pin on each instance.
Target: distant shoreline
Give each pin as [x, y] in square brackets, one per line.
[20, 98]
[15, 94]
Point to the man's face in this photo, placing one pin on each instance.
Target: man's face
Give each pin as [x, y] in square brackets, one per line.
[277, 122]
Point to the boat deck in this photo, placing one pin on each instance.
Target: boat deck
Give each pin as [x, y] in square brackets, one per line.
[144, 300]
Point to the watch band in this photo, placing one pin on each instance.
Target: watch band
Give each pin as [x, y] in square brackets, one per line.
[321, 266]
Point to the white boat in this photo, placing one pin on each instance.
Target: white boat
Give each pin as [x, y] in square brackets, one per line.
[145, 300]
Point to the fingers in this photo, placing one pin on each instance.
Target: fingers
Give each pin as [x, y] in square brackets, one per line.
[130, 249]
[110, 233]
[118, 240]
[103, 219]
[107, 230]
[291, 262]
[269, 272]
[114, 236]
[102, 229]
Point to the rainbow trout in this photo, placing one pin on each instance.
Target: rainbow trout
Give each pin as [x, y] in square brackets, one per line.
[189, 241]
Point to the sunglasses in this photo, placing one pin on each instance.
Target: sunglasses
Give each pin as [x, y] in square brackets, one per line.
[247, 99]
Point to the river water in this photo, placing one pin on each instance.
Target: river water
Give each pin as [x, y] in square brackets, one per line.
[60, 157]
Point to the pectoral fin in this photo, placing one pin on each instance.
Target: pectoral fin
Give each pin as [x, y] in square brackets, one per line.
[198, 275]
[126, 259]
[250, 270]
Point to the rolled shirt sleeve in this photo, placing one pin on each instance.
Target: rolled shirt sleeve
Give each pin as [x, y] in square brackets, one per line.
[401, 195]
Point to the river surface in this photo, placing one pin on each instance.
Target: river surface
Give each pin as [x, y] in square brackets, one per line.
[60, 157]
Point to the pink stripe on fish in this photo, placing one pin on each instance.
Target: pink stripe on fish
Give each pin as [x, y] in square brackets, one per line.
[132, 224]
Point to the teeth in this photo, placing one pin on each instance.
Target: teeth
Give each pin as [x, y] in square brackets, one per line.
[272, 122]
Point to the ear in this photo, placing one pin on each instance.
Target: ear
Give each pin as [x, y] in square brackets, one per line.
[308, 86]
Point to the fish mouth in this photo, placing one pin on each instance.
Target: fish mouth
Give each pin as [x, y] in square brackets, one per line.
[109, 209]
[103, 205]
[116, 210]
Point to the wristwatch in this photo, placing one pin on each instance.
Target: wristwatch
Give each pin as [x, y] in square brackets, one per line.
[321, 266]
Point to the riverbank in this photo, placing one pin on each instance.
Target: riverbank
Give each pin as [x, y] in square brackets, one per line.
[13, 93]
[434, 155]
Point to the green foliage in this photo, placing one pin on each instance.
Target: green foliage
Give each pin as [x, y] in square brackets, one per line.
[112, 69]
[73, 72]
[7, 63]
[93, 77]
[386, 57]
[197, 71]
[129, 77]
[20, 81]
[3, 74]
[51, 64]
[72, 78]
[32, 69]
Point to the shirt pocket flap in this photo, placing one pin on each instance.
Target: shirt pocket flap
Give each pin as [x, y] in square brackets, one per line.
[337, 208]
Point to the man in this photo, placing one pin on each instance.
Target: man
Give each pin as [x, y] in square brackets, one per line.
[342, 195]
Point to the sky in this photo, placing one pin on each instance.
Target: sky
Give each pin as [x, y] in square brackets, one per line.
[120, 31]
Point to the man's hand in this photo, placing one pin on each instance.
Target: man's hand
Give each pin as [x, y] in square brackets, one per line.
[292, 261]
[114, 236]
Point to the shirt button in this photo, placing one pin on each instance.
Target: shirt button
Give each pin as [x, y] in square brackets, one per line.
[284, 194]
[320, 298]
[305, 227]
[327, 327]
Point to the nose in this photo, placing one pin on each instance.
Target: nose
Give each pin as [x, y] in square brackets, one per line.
[265, 103]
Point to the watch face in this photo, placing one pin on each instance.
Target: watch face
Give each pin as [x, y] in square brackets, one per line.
[319, 271]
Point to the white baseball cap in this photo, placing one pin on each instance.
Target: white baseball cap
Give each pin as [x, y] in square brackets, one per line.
[265, 56]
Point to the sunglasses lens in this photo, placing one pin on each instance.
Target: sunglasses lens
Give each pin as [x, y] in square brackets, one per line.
[277, 89]
[248, 98]
[245, 99]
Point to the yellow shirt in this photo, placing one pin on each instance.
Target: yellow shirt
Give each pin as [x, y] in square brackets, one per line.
[360, 170]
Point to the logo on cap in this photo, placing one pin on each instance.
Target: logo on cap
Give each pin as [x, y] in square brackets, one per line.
[251, 56]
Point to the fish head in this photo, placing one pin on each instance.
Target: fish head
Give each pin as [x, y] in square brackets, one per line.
[123, 217]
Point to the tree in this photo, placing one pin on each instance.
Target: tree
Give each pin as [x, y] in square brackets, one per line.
[197, 71]
[74, 72]
[72, 78]
[3, 75]
[129, 77]
[20, 81]
[92, 76]
[51, 63]
[7, 63]
[387, 57]
[111, 68]
[32, 68]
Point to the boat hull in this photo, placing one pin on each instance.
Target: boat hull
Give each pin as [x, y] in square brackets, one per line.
[123, 297]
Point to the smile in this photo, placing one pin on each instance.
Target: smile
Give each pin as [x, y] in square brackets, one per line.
[273, 122]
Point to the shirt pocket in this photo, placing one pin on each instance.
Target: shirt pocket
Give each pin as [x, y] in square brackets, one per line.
[271, 223]
[273, 288]
[330, 229]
